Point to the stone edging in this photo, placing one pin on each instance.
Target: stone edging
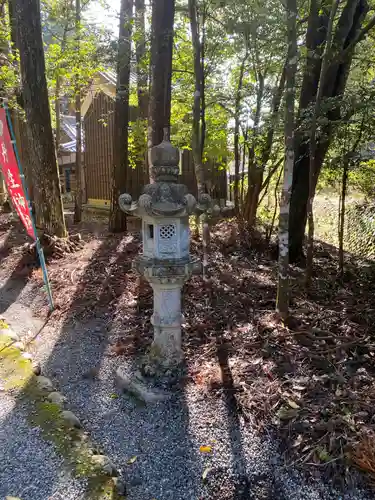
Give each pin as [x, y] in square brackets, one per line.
[20, 375]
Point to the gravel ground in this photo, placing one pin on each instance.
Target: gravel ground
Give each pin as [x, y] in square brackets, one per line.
[165, 438]
[29, 466]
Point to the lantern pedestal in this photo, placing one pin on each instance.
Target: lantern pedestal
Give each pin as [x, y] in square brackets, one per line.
[167, 321]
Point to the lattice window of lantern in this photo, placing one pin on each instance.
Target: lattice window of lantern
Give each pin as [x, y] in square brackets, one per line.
[167, 232]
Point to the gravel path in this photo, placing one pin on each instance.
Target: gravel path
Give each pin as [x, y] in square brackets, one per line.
[165, 438]
[29, 466]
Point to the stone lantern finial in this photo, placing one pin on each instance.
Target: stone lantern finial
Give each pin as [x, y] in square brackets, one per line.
[165, 160]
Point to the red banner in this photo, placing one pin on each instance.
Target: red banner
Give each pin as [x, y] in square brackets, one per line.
[12, 177]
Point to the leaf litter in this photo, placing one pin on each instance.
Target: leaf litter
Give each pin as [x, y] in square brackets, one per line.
[309, 381]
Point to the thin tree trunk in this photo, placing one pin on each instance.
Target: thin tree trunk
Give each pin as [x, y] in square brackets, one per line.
[256, 184]
[140, 53]
[142, 81]
[282, 301]
[243, 165]
[344, 186]
[117, 220]
[255, 172]
[196, 136]
[79, 171]
[47, 193]
[203, 82]
[313, 141]
[58, 90]
[199, 126]
[161, 71]
[269, 235]
[237, 123]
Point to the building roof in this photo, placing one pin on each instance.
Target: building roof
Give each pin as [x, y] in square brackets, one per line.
[68, 126]
[104, 81]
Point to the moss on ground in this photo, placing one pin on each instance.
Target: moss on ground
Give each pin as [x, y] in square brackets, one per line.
[16, 375]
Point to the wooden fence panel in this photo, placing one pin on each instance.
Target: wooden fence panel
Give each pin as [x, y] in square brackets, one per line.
[99, 129]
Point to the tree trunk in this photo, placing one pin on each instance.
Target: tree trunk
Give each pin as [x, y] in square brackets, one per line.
[58, 88]
[140, 53]
[313, 141]
[142, 82]
[196, 135]
[255, 172]
[346, 34]
[237, 124]
[117, 220]
[47, 194]
[282, 301]
[79, 171]
[199, 126]
[256, 177]
[342, 214]
[161, 70]
[246, 134]
[19, 124]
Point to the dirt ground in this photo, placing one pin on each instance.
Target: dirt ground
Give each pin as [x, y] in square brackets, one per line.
[310, 381]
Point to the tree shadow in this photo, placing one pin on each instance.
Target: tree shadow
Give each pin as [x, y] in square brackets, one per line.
[17, 281]
[79, 345]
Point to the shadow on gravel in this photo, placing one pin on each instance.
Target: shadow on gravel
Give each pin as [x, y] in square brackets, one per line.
[73, 364]
[14, 285]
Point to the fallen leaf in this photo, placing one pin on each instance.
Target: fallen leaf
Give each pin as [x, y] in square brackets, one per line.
[298, 441]
[287, 414]
[205, 473]
[132, 460]
[114, 396]
[293, 404]
[205, 449]
[299, 387]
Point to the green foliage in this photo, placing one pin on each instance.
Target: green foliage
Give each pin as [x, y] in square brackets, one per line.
[9, 78]
[68, 67]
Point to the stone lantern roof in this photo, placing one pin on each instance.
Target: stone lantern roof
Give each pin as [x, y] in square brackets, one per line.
[164, 197]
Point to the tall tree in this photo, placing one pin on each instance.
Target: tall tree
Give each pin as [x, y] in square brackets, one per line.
[139, 39]
[161, 70]
[282, 301]
[140, 53]
[117, 219]
[313, 142]
[79, 170]
[237, 123]
[197, 103]
[47, 194]
[350, 29]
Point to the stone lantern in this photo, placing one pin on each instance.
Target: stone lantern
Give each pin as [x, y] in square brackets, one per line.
[165, 207]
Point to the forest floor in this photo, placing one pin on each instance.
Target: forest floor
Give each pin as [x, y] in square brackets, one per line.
[287, 411]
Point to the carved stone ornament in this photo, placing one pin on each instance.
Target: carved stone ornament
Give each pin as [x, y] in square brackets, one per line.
[164, 197]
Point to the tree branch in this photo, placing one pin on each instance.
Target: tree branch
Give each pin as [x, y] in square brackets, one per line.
[361, 35]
